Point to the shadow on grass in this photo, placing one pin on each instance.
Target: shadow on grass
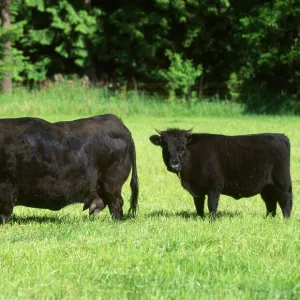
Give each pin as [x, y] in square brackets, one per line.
[41, 219]
[190, 215]
[17, 219]
[67, 219]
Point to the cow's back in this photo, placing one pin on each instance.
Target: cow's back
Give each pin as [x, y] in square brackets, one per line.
[108, 123]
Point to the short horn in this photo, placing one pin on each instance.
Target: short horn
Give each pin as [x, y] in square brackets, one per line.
[158, 131]
[189, 132]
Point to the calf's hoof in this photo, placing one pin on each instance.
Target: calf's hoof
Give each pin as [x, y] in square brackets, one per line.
[212, 217]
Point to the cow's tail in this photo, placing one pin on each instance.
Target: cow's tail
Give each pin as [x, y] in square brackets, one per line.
[134, 184]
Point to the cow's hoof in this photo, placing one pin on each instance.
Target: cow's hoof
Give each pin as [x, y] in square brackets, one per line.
[132, 212]
[5, 219]
[117, 215]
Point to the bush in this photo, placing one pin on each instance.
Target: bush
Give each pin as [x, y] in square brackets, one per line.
[181, 75]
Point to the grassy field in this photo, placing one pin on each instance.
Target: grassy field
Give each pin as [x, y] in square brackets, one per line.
[167, 252]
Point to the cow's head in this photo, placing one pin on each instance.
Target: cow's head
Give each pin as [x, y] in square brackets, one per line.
[174, 144]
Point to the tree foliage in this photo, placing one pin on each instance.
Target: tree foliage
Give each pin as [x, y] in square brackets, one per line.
[240, 45]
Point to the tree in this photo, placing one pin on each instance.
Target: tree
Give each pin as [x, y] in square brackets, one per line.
[5, 18]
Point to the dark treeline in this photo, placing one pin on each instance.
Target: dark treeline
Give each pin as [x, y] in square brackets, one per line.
[247, 50]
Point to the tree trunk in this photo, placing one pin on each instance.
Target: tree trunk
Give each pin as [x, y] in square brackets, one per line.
[88, 4]
[5, 17]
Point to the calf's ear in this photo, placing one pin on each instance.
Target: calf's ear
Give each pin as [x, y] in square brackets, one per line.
[189, 132]
[155, 139]
[190, 140]
[189, 135]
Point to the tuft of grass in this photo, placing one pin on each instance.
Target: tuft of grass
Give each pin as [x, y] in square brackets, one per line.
[166, 252]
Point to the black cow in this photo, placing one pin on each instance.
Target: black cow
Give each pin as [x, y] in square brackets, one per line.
[51, 165]
[237, 166]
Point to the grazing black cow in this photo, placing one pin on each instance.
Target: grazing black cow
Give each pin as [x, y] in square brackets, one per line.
[237, 166]
[51, 165]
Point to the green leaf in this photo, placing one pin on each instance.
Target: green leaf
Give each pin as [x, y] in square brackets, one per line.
[61, 49]
[82, 28]
[80, 62]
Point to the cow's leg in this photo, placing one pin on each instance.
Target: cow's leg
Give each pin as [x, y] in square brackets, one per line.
[199, 204]
[213, 201]
[115, 203]
[110, 192]
[7, 195]
[118, 209]
[269, 196]
[5, 219]
[110, 186]
[6, 209]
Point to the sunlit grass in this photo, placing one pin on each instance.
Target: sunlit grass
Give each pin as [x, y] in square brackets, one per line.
[74, 99]
[167, 252]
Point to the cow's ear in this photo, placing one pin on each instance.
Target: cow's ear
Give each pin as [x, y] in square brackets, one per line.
[156, 140]
[190, 139]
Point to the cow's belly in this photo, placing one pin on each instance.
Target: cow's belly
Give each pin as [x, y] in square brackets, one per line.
[41, 201]
[55, 183]
[54, 193]
[44, 193]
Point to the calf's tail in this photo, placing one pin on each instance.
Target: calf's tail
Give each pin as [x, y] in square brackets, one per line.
[291, 195]
[288, 145]
[134, 185]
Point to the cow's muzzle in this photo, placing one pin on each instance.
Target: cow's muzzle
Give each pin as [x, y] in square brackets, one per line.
[174, 167]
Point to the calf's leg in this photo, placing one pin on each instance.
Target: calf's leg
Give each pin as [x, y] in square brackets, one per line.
[199, 204]
[272, 194]
[285, 201]
[6, 210]
[213, 201]
[269, 196]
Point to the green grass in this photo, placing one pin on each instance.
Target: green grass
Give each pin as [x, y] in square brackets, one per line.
[167, 252]
[73, 100]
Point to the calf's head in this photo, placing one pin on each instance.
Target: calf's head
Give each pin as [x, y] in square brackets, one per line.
[174, 144]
